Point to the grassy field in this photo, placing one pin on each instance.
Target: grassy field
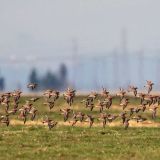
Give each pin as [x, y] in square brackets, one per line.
[34, 140]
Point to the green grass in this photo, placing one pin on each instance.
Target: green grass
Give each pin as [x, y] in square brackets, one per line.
[19, 142]
[76, 143]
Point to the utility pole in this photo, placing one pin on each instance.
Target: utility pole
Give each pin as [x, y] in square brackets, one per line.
[115, 70]
[74, 61]
[125, 65]
[141, 68]
[157, 76]
[95, 72]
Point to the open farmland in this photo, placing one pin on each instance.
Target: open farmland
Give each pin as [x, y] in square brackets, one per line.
[34, 139]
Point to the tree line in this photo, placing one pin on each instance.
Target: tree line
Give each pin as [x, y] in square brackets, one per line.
[50, 80]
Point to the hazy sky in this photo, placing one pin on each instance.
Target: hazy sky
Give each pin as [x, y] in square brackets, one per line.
[48, 26]
[32, 29]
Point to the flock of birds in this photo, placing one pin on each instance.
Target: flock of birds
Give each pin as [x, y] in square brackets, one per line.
[28, 111]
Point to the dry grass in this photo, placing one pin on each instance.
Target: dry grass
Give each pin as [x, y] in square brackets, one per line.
[85, 124]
